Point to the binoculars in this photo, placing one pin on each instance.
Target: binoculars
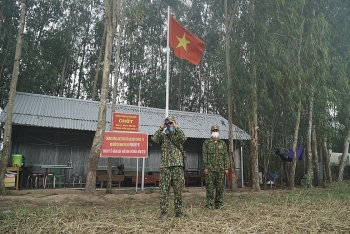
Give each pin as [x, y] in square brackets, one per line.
[167, 122]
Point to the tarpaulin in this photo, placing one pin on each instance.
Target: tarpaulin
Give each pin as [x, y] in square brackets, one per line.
[287, 154]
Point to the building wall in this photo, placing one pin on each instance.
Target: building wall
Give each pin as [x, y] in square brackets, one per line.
[49, 146]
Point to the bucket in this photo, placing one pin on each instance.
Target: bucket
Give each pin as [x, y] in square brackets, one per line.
[17, 159]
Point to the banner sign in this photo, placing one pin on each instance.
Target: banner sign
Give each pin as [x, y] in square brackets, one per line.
[125, 145]
[125, 122]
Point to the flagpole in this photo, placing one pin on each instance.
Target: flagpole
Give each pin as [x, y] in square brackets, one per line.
[167, 67]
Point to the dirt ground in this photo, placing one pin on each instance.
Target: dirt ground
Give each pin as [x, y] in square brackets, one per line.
[78, 198]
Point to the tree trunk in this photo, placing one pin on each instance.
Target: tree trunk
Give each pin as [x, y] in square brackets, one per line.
[298, 113]
[115, 87]
[4, 60]
[309, 147]
[325, 153]
[81, 75]
[2, 7]
[228, 26]
[8, 123]
[254, 110]
[266, 158]
[111, 9]
[315, 158]
[63, 75]
[94, 89]
[344, 156]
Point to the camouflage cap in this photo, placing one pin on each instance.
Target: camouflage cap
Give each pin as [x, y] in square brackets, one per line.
[171, 118]
[215, 127]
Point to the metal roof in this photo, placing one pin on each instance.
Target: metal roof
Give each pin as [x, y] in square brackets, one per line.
[68, 113]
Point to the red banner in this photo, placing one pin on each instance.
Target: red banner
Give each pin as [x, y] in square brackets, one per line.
[125, 122]
[125, 145]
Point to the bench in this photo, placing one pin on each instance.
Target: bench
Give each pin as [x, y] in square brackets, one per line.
[102, 176]
[149, 179]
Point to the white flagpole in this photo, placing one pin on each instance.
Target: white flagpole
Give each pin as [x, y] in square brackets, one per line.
[137, 174]
[143, 159]
[167, 67]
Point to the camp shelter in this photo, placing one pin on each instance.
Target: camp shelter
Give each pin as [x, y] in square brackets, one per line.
[52, 130]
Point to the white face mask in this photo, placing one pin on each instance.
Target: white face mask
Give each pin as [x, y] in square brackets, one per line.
[215, 134]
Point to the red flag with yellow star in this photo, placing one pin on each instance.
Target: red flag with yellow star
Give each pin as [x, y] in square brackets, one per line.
[185, 45]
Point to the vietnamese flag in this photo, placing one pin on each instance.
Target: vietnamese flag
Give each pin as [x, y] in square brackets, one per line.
[185, 45]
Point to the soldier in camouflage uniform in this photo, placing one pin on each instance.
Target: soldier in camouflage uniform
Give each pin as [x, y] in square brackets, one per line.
[216, 165]
[171, 165]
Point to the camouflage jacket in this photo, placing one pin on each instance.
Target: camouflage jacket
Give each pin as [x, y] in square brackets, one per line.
[215, 155]
[171, 155]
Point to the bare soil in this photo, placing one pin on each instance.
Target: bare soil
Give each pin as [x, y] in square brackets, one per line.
[77, 197]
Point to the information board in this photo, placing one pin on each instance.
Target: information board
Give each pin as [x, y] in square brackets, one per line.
[125, 122]
[125, 145]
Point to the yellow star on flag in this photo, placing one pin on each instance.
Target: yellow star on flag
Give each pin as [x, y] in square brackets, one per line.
[182, 42]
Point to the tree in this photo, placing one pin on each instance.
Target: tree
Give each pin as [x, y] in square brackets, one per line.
[112, 8]
[8, 124]
[228, 26]
[114, 101]
[97, 71]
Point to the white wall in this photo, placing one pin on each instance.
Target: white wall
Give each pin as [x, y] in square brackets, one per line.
[335, 158]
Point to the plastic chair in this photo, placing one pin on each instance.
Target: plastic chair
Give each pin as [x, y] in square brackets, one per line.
[50, 179]
[30, 179]
[40, 176]
[75, 179]
[54, 177]
[36, 177]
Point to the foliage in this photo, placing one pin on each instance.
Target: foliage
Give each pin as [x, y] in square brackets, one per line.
[306, 180]
[62, 41]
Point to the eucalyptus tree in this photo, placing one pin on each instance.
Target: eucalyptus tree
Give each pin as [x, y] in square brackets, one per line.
[271, 79]
[112, 10]
[278, 70]
[83, 50]
[143, 54]
[289, 36]
[8, 123]
[115, 91]
[98, 64]
[88, 33]
[9, 21]
[315, 58]
[339, 18]
[42, 51]
[230, 16]
[59, 42]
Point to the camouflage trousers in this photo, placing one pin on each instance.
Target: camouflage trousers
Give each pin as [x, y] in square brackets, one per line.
[214, 181]
[171, 176]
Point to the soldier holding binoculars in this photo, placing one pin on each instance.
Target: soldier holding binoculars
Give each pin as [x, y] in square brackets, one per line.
[171, 165]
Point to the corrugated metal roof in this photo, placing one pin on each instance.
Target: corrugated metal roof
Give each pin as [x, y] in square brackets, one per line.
[68, 113]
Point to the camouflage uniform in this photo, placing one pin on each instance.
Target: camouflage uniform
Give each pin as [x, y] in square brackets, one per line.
[171, 168]
[215, 158]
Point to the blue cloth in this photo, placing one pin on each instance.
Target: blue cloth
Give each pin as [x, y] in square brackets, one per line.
[287, 154]
[270, 175]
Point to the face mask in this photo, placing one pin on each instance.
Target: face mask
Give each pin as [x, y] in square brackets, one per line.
[170, 128]
[215, 134]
